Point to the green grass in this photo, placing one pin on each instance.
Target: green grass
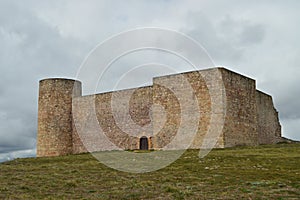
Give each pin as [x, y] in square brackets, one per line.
[264, 172]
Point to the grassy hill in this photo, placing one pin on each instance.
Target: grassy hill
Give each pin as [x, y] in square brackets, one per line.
[264, 172]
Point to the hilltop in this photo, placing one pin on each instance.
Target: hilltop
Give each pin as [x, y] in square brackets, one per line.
[264, 172]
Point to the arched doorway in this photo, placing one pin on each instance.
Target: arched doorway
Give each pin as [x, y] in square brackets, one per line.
[144, 143]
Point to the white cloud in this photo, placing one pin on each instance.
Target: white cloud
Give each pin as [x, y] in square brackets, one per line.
[17, 154]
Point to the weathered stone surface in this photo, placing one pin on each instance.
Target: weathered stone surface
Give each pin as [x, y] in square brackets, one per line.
[225, 107]
[55, 116]
[240, 123]
[268, 126]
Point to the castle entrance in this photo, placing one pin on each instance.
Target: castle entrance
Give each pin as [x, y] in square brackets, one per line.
[144, 143]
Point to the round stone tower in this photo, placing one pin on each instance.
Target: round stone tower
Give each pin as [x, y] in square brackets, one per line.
[54, 135]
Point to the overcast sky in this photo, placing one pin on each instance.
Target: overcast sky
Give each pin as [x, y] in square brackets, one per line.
[41, 39]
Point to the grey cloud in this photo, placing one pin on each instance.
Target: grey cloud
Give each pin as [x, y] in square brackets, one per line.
[252, 34]
[217, 45]
[241, 32]
[30, 50]
[225, 38]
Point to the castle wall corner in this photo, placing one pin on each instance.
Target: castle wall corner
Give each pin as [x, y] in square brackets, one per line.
[240, 122]
[268, 126]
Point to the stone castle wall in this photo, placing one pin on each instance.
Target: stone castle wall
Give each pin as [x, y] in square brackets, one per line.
[102, 127]
[240, 123]
[268, 125]
[164, 95]
[230, 112]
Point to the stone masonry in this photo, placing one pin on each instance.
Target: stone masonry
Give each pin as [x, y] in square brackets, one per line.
[230, 112]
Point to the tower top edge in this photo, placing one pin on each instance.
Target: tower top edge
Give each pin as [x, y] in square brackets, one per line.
[59, 79]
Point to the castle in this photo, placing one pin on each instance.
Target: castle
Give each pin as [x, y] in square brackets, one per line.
[230, 112]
